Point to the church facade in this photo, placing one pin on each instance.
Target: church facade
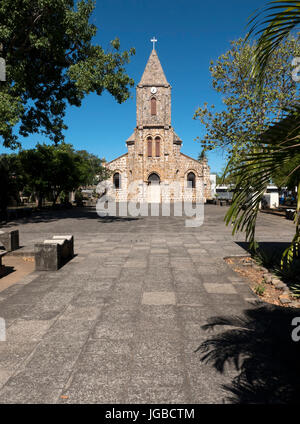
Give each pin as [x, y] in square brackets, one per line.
[154, 169]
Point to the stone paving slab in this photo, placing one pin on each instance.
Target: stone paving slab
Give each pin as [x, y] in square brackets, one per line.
[120, 323]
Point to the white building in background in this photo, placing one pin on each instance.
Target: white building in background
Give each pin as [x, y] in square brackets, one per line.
[271, 197]
[224, 192]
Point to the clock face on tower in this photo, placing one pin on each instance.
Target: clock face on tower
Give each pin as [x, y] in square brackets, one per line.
[153, 90]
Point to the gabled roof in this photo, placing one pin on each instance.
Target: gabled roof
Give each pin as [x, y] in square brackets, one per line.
[176, 139]
[189, 157]
[119, 157]
[131, 138]
[153, 73]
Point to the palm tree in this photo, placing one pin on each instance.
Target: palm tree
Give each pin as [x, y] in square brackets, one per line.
[275, 148]
[279, 144]
[272, 25]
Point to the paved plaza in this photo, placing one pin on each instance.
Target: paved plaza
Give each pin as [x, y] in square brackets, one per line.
[120, 323]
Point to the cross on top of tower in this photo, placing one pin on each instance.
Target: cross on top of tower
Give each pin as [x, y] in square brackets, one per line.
[153, 40]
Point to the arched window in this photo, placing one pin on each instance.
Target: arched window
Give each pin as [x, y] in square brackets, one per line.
[117, 180]
[191, 180]
[157, 146]
[153, 106]
[149, 144]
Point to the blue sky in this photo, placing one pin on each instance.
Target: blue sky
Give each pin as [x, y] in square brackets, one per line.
[190, 33]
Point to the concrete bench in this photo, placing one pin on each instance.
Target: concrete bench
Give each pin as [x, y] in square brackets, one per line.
[53, 253]
[10, 240]
[2, 253]
[70, 243]
[48, 256]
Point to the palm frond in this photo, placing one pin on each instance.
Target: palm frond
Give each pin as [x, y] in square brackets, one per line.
[272, 25]
[272, 150]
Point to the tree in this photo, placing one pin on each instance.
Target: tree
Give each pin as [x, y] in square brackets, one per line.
[51, 62]
[202, 156]
[4, 185]
[225, 179]
[50, 170]
[92, 170]
[64, 172]
[246, 113]
[11, 181]
[36, 168]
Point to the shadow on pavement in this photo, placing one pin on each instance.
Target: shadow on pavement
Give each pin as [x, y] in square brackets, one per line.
[269, 248]
[259, 344]
[6, 270]
[75, 213]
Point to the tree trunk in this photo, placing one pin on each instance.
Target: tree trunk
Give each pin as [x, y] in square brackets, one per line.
[298, 212]
[3, 212]
[40, 200]
[55, 197]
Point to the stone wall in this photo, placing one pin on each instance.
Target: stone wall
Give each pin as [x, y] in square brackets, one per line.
[119, 165]
[136, 168]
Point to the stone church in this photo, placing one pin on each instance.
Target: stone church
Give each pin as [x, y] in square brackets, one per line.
[154, 169]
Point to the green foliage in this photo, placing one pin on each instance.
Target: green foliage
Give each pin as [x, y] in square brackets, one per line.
[275, 148]
[78, 196]
[295, 289]
[260, 289]
[11, 180]
[225, 178]
[91, 169]
[202, 156]
[246, 114]
[284, 177]
[220, 179]
[272, 260]
[269, 259]
[49, 170]
[51, 62]
[272, 24]
[289, 274]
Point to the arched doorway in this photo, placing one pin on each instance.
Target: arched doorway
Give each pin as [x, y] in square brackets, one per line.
[153, 188]
[153, 178]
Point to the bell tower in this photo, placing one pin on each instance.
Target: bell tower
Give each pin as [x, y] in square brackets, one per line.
[153, 97]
